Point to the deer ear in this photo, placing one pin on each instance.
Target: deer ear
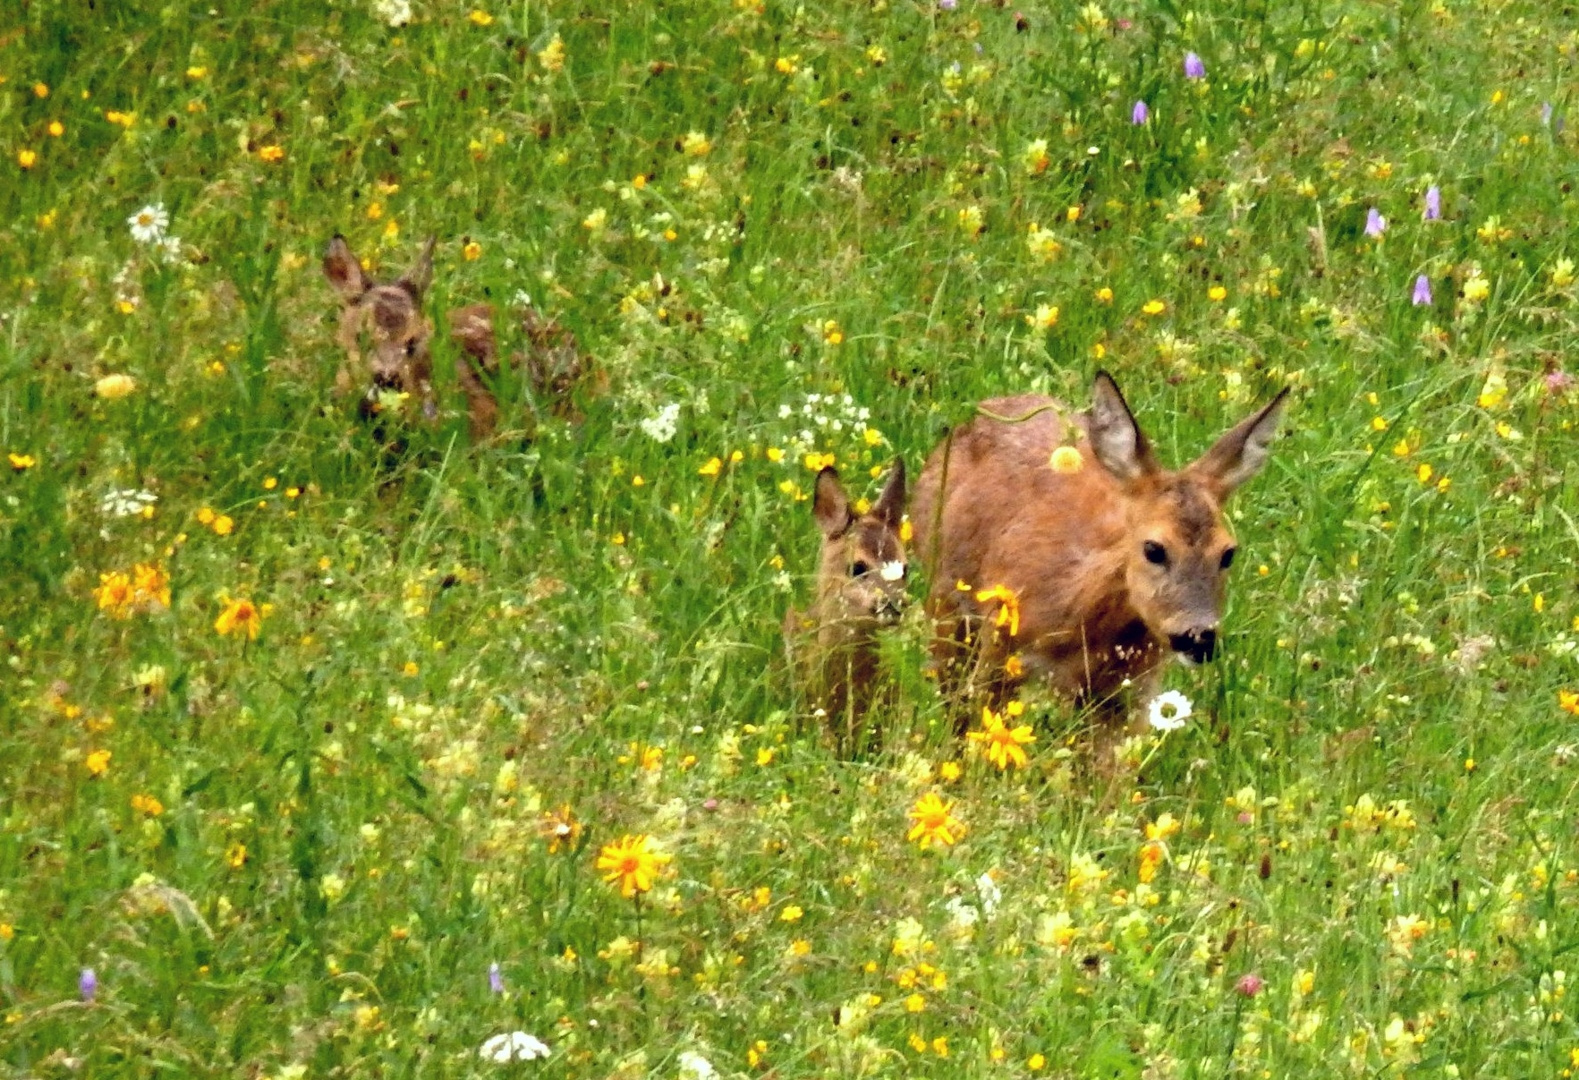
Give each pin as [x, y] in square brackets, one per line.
[831, 506]
[344, 270]
[1239, 454]
[890, 505]
[1116, 439]
[417, 279]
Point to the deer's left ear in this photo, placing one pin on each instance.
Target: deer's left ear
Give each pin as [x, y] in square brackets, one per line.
[416, 280]
[1241, 453]
[890, 505]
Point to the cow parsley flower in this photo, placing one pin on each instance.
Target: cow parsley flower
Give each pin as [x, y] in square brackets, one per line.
[694, 1066]
[126, 502]
[394, 12]
[513, 1046]
[661, 426]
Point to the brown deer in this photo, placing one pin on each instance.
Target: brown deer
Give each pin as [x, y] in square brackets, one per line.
[1093, 562]
[552, 364]
[391, 316]
[861, 579]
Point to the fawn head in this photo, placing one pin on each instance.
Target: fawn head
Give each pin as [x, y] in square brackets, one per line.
[391, 314]
[863, 572]
[1177, 550]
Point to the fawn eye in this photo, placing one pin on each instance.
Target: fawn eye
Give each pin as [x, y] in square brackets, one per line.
[859, 569]
[1155, 553]
[1228, 558]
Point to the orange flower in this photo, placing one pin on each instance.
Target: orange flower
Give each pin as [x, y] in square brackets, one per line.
[1004, 744]
[116, 594]
[632, 864]
[1008, 610]
[934, 821]
[1151, 855]
[152, 585]
[241, 617]
[1568, 701]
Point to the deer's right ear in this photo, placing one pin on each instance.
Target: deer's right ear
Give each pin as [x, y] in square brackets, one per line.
[831, 506]
[1116, 438]
[890, 505]
[344, 270]
[417, 279]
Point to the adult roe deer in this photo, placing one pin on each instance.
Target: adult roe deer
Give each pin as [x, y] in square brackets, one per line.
[1094, 561]
[861, 578]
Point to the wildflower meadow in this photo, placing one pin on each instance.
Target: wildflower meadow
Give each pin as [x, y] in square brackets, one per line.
[343, 734]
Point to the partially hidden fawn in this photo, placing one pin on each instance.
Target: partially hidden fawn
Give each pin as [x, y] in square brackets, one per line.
[399, 365]
[1059, 549]
[861, 578]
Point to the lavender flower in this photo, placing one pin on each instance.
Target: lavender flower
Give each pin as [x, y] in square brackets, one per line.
[1375, 224]
[1546, 113]
[1140, 113]
[1422, 295]
[87, 984]
[947, 5]
[1433, 203]
[1193, 68]
[495, 979]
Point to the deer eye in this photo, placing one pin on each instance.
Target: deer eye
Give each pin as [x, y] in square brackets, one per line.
[1228, 558]
[1155, 553]
[859, 568]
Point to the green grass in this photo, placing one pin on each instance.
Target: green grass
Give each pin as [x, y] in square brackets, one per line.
[346, 842]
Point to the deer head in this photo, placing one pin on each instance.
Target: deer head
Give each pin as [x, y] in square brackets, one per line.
[1177, 550]
[391, 316]
[861, 581]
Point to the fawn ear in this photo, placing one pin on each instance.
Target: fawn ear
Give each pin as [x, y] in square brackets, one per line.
[1240, 453]
[417, 279]
[831, 506]
[890, 505]
[344, 270]
[1116, 439]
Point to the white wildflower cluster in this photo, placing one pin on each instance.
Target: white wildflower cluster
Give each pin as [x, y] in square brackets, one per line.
[127, 502]
[393, 12]
[149, 227]
[661, 426]
[513, 1046]
[826, 417]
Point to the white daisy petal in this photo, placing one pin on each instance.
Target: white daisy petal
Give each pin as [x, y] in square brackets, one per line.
[1169, 711]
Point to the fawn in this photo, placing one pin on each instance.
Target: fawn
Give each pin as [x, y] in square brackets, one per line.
[861, 577]
[391, 315]
[1094, 561]
[552, 364]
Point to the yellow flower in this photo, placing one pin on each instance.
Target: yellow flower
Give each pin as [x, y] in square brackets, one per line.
[934, 821]
[1494, 391]
[236, 855]
[113, 387]
[713, 467]
[1423, 473]
[41, 90]
[1004, 744]
[1568, 701]
[1035, 157]
[1066, 459]
[1043, 243]
[1151, 856]
[124, 119]
[240, 617]
[1036, 1063]
[1045, 317]
[1154, 307]
[21, 462]
[197, 72]
[1405, 930]
[786, 65]
[552, 57]
[560, 828]
[832, 333]
[151, 585]
[98, 762]
[480, 17]
[1104, 295]
[27, 158]
[223, 525]
[1165, 826]
[147, 805]
[1216, 294]
[1008, 610]
[971, 221]
[695, 144]
[1476, 288]
[915, 1003]
[949, 771]
[56, 129]
[271, 154]
[1563, 273]
[792, 913]
[632, 864]
[472, 251]
[115, 594]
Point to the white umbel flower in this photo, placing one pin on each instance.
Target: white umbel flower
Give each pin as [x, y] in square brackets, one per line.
[149, 223]
[1169, 711]
[661, 426]
[694, 1066]
[513, 1046]
[394, 12]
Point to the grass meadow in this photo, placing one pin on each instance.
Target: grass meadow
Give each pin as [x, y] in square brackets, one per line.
[309, 743]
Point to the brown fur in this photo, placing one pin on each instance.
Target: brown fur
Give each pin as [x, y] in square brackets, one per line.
[1094, 610]
[833, 646]
[390, 315]
[553, 365]
[472, 329]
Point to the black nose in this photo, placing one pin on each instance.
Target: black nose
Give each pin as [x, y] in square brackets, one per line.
[1199, 645]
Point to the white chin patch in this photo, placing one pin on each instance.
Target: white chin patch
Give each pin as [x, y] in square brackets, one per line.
[892, 571]
[1186, 659]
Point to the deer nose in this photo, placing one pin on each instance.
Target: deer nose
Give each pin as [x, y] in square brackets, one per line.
[1198, 643]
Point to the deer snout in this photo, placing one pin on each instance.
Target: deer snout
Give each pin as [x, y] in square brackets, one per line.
[1199, 643]
[889, 608]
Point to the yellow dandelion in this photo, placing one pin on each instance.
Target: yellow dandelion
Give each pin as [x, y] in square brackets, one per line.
[98, 762]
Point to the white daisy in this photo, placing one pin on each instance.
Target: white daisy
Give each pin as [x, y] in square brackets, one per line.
[694, 1066]
[513, 1046]
[149, 223]
[1169, 711]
